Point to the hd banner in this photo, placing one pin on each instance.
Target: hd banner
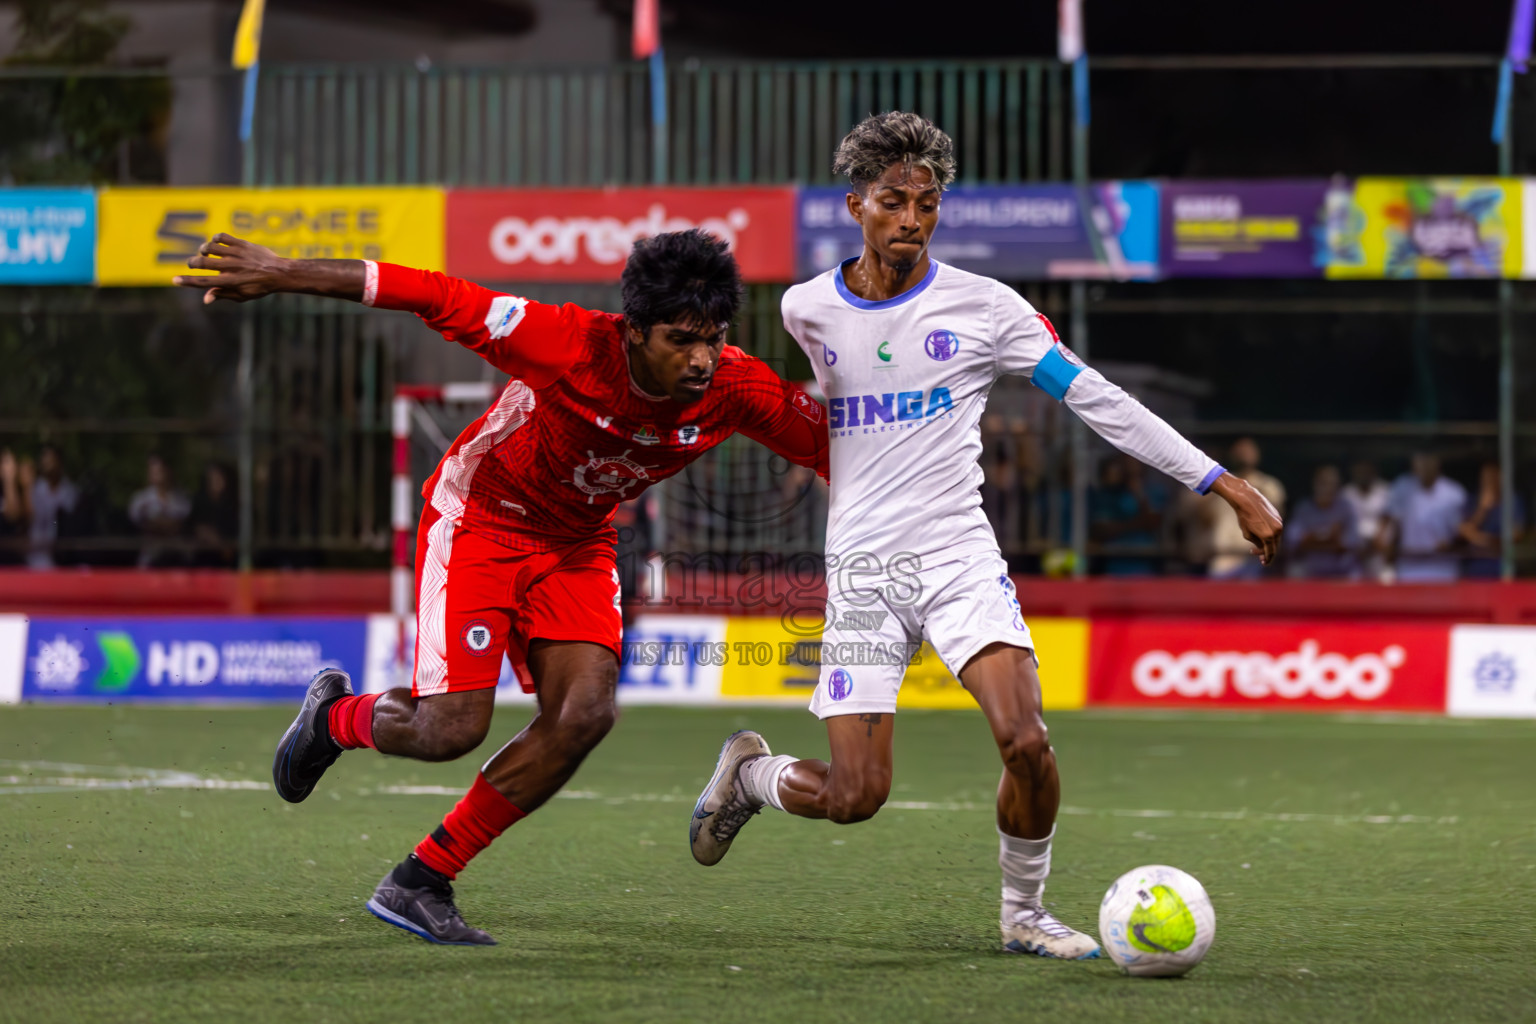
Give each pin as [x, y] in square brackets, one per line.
[1244, 228]
[147, 235]
[1012, 232]
[185, 659]
[586, 234]
[1427, 227]
[47, 236]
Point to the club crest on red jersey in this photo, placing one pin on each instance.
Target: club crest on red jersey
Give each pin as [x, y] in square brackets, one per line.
[807, 406]
[609, 474]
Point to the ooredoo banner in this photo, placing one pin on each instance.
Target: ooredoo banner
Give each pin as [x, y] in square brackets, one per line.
[586, 234]
[1319, 666]
[207, 658]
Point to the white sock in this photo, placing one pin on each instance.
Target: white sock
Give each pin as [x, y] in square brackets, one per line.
[760, 779]
[1025, 864]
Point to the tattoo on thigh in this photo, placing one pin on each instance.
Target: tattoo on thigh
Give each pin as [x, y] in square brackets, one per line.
[870, 721]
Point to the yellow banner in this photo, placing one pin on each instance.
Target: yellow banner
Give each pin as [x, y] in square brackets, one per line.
[146, 235]
[767, 662]
[1426, 227]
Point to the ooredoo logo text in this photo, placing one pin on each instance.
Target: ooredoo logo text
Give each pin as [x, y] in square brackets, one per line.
[1307, 671]
[604, 240]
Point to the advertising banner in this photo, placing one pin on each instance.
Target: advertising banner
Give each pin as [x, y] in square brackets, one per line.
[47, 236]
[586, 234]
[147, 234]
[1493, 672]
[767, 662]
[1317, 666]
[667, 659]
[1427, 227]
[1011, 232]
[185, 659]
[1244, 229]
[13, 656]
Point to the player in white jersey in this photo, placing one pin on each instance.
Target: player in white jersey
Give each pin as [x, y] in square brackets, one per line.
[906, 350]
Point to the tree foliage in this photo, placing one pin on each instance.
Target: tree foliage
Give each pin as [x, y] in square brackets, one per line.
[78, 129]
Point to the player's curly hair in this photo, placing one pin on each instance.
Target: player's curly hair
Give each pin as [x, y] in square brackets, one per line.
[681, 277]
[895, 137]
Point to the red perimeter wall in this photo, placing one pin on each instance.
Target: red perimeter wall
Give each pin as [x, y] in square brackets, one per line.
[130, 591]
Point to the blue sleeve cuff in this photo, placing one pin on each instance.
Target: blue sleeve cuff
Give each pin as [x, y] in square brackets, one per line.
[1210, 478]
[1054, 373]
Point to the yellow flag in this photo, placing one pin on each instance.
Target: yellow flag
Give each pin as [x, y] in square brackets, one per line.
[248, 34]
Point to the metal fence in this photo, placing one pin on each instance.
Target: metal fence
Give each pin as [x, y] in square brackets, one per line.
[726, 123]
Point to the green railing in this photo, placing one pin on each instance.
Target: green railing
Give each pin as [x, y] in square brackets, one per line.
[730, 123]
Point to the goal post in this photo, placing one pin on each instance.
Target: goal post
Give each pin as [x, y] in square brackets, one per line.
[408, 414]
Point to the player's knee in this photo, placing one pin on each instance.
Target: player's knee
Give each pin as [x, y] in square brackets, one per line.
[860, 803]
[1026, 748]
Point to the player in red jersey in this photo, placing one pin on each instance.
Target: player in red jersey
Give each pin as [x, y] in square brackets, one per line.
[515, 550]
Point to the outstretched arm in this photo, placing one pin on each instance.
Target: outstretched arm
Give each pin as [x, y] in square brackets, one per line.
[244, 271]
[1027, 344]
[528, 340]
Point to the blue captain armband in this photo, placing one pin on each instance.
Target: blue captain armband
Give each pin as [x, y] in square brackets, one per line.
[1054, 373]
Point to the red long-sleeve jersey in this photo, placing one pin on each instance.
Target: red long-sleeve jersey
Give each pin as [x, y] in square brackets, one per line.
[571, 435]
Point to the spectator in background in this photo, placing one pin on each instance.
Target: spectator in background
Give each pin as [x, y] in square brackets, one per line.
[158, 510]
[1425, 514]
[1368, 494]
[1322, 533]
[16, 478]
[1123, 510]
[1232, 557]
[54, 497]
[1482, 527]
[215, 520]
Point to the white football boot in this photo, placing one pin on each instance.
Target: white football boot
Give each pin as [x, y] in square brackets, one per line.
[723, 808]
[1037, 931]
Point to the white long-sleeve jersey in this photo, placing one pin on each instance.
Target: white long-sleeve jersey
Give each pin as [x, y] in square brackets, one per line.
[907, 380]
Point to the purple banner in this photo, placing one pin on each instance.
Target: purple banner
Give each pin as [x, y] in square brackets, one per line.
[1243, 229]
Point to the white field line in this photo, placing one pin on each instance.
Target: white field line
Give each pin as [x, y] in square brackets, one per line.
[73, 778]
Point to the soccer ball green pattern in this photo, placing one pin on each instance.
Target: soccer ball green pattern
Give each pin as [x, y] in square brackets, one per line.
[1156, 921]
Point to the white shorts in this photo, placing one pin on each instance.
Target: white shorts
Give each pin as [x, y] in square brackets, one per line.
[872, 631]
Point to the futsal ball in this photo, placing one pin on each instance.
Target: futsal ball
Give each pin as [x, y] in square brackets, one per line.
[1156, 922]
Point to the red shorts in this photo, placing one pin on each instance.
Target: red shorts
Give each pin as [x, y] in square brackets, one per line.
[476, 598]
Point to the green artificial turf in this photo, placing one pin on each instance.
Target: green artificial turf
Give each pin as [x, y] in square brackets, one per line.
[1361, 870]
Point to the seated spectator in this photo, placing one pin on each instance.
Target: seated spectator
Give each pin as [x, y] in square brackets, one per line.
[1124, 511]
[1232, 557]
[1482, 529]
[158, 511]
[1425, 512]
[1368, 494]
[54, 498]
[16, 479]
[1322, 533]
[215, 520]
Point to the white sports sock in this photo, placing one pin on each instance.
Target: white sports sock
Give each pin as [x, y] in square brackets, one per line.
[760, 779]
[1025, 864]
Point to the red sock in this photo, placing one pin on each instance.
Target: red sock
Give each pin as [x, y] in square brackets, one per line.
[475, 821]
[351, 721]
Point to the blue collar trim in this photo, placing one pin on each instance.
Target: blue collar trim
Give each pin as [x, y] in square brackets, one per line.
[906, 296]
